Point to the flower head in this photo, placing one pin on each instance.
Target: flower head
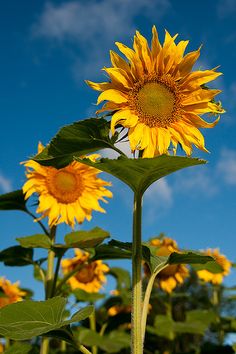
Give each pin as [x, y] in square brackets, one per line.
[68, 194]
[10, 293]
[157, 96]
[215, 278]
[172, 275]
[90, 276]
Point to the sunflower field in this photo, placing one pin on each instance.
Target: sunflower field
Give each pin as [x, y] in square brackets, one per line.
[101, 293]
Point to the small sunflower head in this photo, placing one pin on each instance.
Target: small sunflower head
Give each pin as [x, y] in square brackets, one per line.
[90, 276]
[69, 194]
[215, 278]
[172, 275]
[10, 293]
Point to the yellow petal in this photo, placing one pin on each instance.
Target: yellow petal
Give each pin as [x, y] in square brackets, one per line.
[113, 96]
[102, 86]
[124, 117]
[198, 78]
[185, 66]
[118, 76]
[119, 62]
[199, 122]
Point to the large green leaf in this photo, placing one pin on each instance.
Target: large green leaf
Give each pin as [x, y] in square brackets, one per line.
[139, 174]
[17, 256]
[197, 322]
[86, 239]
[13, 201]
[35, 241]
[27, 319]
[114, 342]
[21, 348]
[77, 139]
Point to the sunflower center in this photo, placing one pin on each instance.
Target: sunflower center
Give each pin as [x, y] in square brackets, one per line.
[65, 182]
[64, 185]
[86, 274]
[156, 101]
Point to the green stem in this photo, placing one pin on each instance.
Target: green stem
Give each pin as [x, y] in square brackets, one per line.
[44, 349]
[56, 274]
[136, 330]
[84, 350]
[147, 298]
[92, 322]
[44, 345]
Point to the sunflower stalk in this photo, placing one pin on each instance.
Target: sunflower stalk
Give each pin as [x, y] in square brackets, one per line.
[136, 329]
[44, 349]
[92, 322]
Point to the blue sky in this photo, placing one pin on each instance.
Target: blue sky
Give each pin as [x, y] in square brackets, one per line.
[48, 49]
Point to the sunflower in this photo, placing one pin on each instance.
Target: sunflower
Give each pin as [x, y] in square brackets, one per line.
[215, 278]
[68, 194]
[157, 96]
[9, 293]
[172, 275]
[90, 277]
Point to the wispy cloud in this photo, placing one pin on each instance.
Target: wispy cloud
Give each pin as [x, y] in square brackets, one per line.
[226, 8]
[195, 181]
[158, 199]
[94, 26]
[227, 166]
[5, 184]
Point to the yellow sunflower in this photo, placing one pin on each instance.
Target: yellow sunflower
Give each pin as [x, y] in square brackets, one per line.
[10, 293]
[68, 194]
[172, 275]
[157, 96]
[90, 277]
[215, 278]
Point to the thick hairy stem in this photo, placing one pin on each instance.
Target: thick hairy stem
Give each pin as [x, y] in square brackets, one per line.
[136, 331]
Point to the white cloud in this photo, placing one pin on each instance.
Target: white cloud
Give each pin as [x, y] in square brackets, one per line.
[227, 166]
[196, 181]
[226, 8]
[5, 184]
[157, 199]
[94, 26]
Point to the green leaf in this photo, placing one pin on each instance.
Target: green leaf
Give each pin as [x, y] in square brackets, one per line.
[16, 256]
[188, 258]
[109, 252]
[139, 174]
[21, 348]
[211, 266]
[154, 262]
[35, 241]
[86, 239]
[82, 295]
[13, 201]
[27, 319]
[164, 327]
[77, 139]
[112, 343]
